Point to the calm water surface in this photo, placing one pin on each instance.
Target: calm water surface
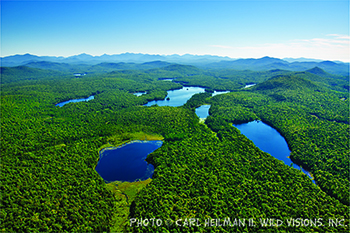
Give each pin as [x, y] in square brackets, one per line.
[219, 92]
[127, 163]
[75, 101]
[177, 97]
[249, 85]
[139, 93]
[269, 140]
[203, 111]
[166, 79]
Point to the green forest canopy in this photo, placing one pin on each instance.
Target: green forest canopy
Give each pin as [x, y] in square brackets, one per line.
[203, 171]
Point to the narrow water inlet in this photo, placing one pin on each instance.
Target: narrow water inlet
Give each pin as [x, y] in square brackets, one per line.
[203, 111]
[61, 104]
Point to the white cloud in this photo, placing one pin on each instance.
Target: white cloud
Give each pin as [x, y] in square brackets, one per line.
[331, 47]
[340, 36]
[339, 39]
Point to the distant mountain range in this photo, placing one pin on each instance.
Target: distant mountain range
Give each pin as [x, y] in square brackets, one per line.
[83, 58]
[269, 63]
[148, 61]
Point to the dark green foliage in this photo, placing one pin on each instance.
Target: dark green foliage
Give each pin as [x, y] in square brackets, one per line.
[20, 73]
[278, 97]
[197, 100]
[175, 136]
[183, 69]
[208, 177]
[283, 82]
[314, 123]
[318, 71]
[48, 153]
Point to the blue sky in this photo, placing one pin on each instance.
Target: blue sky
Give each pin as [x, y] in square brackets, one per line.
[237, 29]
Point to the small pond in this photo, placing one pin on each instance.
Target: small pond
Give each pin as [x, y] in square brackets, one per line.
[79, 74]
[269, 140]
[249, 85]
[127, 162]
[177, 97]
[220, 92]
[166, 79]
[74, 101]
[203, 111]
[139, 93]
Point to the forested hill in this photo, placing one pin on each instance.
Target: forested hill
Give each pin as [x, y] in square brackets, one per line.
[286, 82]
[20, 73]
[307, 115]
[202, 171]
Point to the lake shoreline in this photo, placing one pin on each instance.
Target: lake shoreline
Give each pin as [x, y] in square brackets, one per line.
[279, 142]
[127, 162]
[126, 143]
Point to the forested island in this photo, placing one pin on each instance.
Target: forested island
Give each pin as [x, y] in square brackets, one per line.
[207, 175]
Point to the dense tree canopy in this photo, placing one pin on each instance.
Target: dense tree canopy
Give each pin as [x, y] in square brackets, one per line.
[202, 171]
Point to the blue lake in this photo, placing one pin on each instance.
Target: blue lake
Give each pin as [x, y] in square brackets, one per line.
[268, 140]
[74, 101]
[203, 111]
[127, 162]
[177, 97]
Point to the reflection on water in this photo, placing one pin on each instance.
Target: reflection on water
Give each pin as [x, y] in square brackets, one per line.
[75, 101]
[127, 163]
[268, 140]
[177, 97]
[203, 111]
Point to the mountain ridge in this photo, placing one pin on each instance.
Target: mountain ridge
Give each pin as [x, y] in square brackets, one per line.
[17, 60]
[202, 61]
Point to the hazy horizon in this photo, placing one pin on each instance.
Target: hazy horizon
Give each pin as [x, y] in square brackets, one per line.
[314, 29]
[233, 58]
